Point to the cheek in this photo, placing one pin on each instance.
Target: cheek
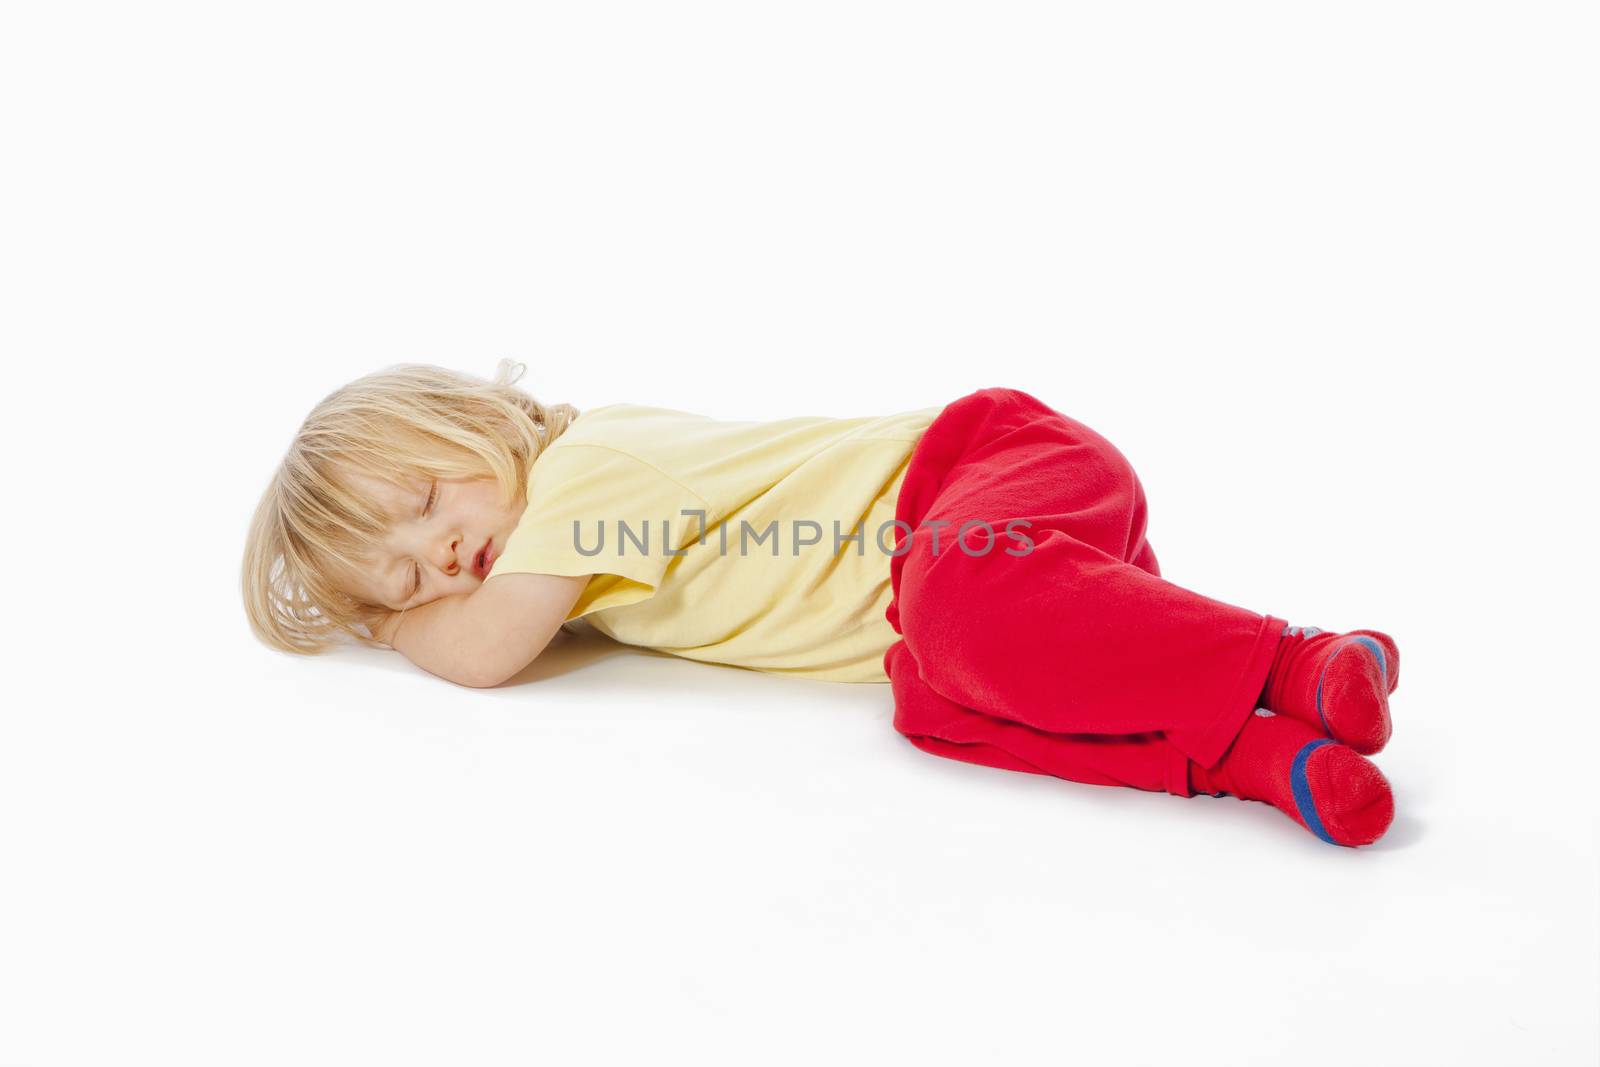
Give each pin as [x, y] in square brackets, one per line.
[489, 505]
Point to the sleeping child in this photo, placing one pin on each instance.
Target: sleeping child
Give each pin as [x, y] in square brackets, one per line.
[986, 559]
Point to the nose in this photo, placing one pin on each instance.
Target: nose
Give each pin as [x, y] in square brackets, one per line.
[452, 562]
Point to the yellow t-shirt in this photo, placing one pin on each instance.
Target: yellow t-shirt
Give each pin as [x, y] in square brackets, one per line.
[715, 540]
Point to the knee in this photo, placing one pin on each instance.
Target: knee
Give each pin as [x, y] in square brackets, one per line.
[931, 612]
[918, 710]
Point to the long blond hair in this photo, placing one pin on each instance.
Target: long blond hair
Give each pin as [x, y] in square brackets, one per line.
[403, 424]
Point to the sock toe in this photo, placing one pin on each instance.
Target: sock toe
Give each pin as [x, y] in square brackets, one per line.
[1352, 695]
[1340, 795]
[1390, 655]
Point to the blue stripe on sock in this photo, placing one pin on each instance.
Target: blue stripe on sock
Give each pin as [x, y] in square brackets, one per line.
[1325, 665]
[1302, 789]
[1377, 654]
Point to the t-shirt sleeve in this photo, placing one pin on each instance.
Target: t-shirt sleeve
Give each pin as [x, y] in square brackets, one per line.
[599, 511]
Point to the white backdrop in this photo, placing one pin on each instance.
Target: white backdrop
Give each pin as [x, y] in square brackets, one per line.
[1326, 275]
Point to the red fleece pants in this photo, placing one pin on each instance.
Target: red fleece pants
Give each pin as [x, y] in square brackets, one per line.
[1072, 657]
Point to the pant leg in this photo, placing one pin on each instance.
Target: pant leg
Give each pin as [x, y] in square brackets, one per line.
[939, 725]
[1078, 634]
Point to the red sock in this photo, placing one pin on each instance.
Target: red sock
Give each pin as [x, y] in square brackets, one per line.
[1339, 683]
[1324, 786]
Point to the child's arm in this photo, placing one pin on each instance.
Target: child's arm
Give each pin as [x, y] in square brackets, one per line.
[481, 638]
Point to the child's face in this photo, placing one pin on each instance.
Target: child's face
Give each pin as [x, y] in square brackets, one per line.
[439, 551]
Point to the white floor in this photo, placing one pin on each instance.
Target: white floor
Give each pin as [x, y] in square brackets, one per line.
[349, 861]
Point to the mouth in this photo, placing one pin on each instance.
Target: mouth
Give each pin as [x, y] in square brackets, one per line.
[484, 559]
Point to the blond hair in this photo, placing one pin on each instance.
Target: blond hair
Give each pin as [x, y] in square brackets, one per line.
[407, 423]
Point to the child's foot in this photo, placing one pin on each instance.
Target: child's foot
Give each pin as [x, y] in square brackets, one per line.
[1332, 791]
[1339, 683]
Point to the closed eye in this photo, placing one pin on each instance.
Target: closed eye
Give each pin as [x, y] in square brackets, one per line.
[416, 570]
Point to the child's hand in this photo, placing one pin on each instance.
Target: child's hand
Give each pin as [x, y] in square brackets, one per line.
[481, 638]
